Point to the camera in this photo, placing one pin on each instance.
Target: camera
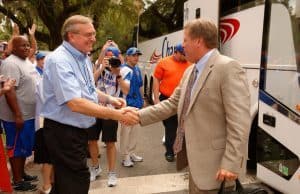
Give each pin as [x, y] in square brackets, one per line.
[109, 38]
[114, 62]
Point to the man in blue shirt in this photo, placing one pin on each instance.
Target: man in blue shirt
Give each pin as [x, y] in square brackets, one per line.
[132, 82]
[40, 60]
[71, 105]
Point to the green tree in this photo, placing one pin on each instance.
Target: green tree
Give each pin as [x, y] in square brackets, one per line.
[163, 16]
[110, 18]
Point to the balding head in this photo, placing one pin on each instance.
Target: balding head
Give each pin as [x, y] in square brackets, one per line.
[20, 46]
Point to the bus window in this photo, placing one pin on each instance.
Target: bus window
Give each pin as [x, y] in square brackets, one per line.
[229, 6]
[282, 71]
[198, 13]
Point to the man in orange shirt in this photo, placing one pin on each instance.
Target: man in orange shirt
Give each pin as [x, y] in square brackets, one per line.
[167, 76]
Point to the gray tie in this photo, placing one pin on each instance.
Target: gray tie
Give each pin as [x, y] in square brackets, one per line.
[180, 130]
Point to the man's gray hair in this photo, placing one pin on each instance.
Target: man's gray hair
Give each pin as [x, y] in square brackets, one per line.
[203, 28]
[70, 24]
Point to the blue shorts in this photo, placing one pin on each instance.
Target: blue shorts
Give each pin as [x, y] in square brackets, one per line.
[19, 143]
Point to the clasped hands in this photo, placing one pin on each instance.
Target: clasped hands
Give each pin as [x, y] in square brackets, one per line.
[128, 115]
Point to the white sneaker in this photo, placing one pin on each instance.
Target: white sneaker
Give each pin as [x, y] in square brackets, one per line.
[112, 179]
[95, 172]
[127, 163]
[136, 158]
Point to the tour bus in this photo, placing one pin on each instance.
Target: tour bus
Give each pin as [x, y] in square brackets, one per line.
[264, 36]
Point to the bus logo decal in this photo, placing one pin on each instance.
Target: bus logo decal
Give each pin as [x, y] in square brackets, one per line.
[167, 49]
[228, 28]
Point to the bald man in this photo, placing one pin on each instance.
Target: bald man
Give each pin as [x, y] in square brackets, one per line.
[18, 111]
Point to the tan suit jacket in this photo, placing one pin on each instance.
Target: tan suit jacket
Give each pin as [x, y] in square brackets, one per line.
[218, 119]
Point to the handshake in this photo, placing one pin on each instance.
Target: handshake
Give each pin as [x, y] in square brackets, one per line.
[126, 115]
[130, 116]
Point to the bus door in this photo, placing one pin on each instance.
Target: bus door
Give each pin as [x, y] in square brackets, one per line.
[278, 148]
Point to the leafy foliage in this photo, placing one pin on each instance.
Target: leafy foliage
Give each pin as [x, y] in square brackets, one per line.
[114, 18]
[162, 17]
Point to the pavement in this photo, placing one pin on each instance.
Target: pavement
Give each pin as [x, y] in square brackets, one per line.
[154, 175]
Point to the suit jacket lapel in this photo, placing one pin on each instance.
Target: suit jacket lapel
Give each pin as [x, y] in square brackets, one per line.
[201, 80]
[183, 89]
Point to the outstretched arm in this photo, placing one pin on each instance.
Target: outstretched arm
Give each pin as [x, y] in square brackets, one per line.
[33, 42]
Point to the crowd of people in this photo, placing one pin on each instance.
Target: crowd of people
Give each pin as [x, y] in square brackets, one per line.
[56, 106]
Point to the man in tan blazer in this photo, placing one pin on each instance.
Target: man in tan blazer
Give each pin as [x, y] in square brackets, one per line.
[216, 123]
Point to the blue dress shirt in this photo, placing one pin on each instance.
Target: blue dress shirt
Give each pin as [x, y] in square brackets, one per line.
[67, 75]
[200, 65]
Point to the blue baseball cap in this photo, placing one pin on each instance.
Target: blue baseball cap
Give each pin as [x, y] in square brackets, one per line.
[39, 55]
[114, 50]
[179, 48]
[133, 51]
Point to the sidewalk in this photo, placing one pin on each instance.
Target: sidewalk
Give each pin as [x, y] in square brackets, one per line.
[162, 183]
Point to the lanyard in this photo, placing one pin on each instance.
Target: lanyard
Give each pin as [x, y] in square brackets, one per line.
[85, 74]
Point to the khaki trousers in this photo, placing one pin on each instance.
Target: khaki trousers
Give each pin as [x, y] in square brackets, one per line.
[128, 140]
[193, 189]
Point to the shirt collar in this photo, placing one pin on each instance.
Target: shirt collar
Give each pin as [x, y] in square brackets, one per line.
[201, 63]
[75, 52]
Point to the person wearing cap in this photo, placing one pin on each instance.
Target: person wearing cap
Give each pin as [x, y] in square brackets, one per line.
[41, 153]
[40, 59]
[132, 92]
[111, 46]
[105, 76]
[166, 77]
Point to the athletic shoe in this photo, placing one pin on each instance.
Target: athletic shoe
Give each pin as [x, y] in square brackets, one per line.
[112, 179]
[170, 157]
[127, 163]
[95, 172]
[24, 186]
[29, 178]
[136, 158]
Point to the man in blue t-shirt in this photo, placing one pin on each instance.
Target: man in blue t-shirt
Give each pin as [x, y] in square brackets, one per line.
[132, 79]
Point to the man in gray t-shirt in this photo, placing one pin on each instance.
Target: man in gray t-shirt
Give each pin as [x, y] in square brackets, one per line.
[18, 111]
[23, 72]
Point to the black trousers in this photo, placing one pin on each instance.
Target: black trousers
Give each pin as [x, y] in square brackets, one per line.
[67, 149]
[170, 125]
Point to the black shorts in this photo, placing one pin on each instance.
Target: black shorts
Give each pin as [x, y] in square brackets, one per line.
[41, 153]
[109, 130]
